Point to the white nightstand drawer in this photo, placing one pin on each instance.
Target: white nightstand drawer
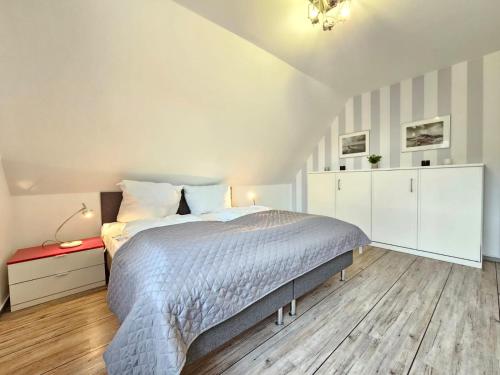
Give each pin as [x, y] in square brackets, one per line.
[35, 269]
[35, 289]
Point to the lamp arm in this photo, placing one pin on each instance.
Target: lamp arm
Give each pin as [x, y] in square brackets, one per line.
[64, 222]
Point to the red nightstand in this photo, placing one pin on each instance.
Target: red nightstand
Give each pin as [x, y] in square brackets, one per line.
[40, 274]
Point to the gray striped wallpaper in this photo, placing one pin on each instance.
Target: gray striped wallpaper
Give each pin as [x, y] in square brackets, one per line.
[459, 90]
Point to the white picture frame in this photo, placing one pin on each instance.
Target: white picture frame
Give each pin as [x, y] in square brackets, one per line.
[354, 145]
[430, 134]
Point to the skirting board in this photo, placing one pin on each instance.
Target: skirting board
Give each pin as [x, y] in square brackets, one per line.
[491, 259]
[426, 254]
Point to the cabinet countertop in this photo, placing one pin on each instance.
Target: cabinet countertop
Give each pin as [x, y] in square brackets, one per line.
[39, 252]
[403, 168]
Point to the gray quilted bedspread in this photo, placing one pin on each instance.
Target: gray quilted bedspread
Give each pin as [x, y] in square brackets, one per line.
[170, 284]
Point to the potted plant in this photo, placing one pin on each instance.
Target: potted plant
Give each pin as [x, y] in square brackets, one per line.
[374, 159]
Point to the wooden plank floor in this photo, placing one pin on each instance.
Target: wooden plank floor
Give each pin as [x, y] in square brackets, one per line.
[395, 314]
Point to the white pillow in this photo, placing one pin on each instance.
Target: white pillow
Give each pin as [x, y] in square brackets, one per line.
[203, 199]
[147, 200]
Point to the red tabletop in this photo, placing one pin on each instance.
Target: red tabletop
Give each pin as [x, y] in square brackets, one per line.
[38, 252]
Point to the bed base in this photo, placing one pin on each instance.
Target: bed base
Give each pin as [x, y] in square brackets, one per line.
[273, 303]
[219, 335]
[293, 303]
[279, 317]
[270, 304]
[293, 307]
[306, 283]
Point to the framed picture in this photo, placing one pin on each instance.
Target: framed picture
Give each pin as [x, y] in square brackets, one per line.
[426, 135]
[354, 144]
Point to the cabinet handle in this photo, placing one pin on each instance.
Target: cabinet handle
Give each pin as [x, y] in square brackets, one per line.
[411, 185]
[60, 256]
[338, 184]
[62, 274]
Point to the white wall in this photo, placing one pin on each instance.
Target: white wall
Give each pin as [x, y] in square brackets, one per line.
[36, 217]
[274, 196]
[491, 155]
[6, 230]
[469, 91]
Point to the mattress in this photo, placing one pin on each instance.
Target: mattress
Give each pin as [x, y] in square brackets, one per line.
[112, 236]
[113, 244]
[115, 235]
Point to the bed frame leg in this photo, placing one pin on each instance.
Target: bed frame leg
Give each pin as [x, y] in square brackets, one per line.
[279, 320]
[342, 275]
[360, 249]
[293, 307]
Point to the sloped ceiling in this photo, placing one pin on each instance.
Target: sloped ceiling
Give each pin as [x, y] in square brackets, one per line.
[383, 42]
[93, 91]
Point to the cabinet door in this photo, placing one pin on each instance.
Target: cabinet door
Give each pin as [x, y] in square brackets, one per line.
[395, 207]
[353, 199]
[321, 194]
[451, 211]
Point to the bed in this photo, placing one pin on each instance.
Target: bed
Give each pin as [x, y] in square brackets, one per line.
[238, 319]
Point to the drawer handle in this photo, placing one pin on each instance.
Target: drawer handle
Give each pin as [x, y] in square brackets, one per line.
[411, 185]
[60, 256]
[62, 274]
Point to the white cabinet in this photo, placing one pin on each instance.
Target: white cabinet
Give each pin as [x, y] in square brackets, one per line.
[43, 273]
[321, 194]
[394, 207]
[430, 211]
[450, 221]
[353, 199]
[36, 269]
[40, 290]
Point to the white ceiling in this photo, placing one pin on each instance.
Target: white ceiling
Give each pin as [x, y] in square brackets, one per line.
[383, 42]
[94, 91]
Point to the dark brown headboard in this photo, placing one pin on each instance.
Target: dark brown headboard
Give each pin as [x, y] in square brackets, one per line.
[110, 205]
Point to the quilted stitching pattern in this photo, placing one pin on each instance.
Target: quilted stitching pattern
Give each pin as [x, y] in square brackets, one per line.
[170, 284]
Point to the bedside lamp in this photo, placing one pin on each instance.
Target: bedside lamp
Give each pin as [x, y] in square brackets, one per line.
[86, 212]
[251, 196]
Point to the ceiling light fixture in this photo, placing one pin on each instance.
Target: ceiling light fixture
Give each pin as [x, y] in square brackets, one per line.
[328, 12]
